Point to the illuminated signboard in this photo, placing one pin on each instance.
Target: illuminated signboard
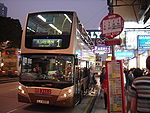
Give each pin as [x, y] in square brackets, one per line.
[132, 35]
[79, 53]
[124, 54]
[105, 49]
[96, 37]
[47, 43]
[94, 33]
[143, 41]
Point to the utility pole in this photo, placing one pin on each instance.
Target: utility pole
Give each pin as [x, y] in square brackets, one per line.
[110, 8]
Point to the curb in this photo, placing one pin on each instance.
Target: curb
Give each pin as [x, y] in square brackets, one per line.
[7, 81]
[91, 104]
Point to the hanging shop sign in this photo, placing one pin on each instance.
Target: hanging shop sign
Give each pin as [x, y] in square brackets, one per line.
[113, 42]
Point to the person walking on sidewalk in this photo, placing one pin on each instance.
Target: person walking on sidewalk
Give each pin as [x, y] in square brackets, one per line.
[136, 72]
[102, 75]
[103, 82]
[140, 92]
[93, 82]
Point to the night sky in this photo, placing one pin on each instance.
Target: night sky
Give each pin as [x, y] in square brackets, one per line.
[90, 12]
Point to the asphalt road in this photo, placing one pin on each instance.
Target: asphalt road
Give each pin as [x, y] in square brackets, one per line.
[10, 104]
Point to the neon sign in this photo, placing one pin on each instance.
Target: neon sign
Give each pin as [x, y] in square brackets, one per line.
[124, 54]
[143, 41]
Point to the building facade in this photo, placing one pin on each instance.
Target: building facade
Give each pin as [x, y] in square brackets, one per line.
[3, 10]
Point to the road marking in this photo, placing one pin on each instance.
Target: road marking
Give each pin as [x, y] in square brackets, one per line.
[12, 111]
[86, 109]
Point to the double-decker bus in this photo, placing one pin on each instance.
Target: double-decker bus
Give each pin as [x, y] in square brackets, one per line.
[56, 53]
[10, 62]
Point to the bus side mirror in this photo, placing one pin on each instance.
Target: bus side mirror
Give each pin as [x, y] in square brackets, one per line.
[76, 61]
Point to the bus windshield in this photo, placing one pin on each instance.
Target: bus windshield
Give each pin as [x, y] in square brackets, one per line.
[49, 23]
[56, 68]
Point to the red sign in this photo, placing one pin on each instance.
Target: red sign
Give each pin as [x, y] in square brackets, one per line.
[115, 87]
[43, 91]
[112, 25]
[113, 42]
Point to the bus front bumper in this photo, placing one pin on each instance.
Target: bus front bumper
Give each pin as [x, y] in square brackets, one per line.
[51, 100]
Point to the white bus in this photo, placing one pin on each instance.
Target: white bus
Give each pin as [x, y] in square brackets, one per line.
[56, 53]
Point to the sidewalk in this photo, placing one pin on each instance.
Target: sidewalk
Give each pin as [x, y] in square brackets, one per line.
[99, 104]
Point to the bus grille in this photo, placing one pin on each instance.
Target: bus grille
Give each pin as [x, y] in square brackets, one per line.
[51, 98]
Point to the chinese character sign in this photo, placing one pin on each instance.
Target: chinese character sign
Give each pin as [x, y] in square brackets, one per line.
[112, 25]
[116, 100]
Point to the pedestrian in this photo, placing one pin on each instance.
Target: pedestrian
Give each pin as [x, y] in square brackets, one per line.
[103, 82]
[137, 72]
[133, 73]
[104, 88]
[93, 82]
[140, 91]
[102, 75]
[37, 69]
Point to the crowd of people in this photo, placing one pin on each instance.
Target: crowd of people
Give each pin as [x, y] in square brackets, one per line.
[139, 91]
[137, 88]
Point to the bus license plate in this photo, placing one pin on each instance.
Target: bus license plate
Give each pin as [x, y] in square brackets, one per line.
[43, 91]
[42, 101]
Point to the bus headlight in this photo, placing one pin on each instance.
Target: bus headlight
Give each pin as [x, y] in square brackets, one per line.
[21, 90]
[70, 90]
[66, 93]
[20, 87]
[2, 64]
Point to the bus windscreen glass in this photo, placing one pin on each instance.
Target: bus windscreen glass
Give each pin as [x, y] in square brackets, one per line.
[58, 68]
[48, 27]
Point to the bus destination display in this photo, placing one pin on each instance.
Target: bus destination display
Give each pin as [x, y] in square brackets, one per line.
[47, 43]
